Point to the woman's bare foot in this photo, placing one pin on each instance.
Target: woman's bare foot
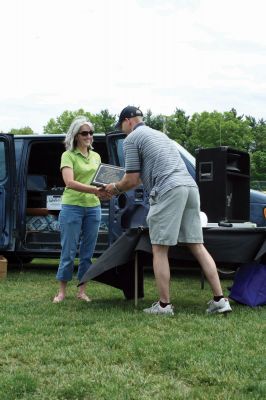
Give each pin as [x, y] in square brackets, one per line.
[84, 297]
[58, 298]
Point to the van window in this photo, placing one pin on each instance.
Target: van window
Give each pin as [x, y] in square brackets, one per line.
[2, 161]
[120, 152]
[18, 151]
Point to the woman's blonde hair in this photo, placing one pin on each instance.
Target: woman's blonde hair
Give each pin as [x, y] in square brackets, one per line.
[70, 142]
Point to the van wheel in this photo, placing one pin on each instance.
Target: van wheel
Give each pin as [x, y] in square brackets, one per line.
[26, 260]
[18, 260]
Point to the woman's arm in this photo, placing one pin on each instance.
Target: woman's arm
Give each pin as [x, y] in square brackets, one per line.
[68, 177]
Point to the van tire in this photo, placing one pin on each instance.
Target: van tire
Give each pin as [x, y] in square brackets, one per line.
[19, 260]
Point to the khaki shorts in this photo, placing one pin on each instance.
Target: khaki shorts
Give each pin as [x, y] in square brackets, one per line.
[175, 217]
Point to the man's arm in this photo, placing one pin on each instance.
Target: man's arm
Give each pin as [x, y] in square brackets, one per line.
[129, 181]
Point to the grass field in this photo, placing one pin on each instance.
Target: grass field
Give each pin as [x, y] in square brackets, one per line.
[109, 350]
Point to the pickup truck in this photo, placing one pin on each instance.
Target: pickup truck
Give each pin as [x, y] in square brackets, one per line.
[31, 186]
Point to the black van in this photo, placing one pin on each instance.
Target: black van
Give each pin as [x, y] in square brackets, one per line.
[30, 190]
[31, 186]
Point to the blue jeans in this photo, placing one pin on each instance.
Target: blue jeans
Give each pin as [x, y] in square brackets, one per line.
[78, 226]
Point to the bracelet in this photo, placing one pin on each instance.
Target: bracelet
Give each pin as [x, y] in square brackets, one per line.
[116, 189]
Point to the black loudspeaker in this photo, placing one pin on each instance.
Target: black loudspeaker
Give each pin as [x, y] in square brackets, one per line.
[223, 178]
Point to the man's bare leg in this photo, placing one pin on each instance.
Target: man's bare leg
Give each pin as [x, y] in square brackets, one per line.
[208, 265]
[161, 271]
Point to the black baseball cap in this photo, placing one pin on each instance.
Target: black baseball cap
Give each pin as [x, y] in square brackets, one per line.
[128, 112]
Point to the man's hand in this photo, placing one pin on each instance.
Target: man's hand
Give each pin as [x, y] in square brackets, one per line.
[129, 181]
[103, 194]
[112, 189]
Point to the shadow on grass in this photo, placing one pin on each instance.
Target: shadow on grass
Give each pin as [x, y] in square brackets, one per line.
[51, 265]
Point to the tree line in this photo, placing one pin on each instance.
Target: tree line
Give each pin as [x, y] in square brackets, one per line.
[205, 129]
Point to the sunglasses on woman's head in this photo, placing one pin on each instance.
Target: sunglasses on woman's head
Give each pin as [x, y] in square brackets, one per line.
[86, 133]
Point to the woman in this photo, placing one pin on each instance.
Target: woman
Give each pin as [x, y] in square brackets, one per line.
[80, 214]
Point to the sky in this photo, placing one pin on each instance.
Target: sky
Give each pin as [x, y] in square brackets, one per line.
[195, 55]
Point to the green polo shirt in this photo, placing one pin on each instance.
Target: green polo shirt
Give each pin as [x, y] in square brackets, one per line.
[84, 169]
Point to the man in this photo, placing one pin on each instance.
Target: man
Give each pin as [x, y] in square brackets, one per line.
[174, 215]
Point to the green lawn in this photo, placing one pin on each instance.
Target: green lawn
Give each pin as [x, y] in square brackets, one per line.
[109, 350]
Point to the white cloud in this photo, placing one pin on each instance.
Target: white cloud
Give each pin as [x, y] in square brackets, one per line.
[158, 54]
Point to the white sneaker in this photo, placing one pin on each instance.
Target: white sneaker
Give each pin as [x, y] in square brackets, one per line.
[157, 309]
[221, 306]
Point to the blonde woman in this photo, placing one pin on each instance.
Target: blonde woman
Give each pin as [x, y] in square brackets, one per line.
[80, 215]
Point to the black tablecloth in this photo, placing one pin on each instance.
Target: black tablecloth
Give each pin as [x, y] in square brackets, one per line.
[227, 245]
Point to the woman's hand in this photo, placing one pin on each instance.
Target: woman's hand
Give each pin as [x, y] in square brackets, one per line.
[103, 194]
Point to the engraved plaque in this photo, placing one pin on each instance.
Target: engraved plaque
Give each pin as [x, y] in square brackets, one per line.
[107, 174]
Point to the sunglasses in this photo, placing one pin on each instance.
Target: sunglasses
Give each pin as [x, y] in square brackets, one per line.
[86, 133]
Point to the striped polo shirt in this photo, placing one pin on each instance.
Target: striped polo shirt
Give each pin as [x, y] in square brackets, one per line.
[158, 160]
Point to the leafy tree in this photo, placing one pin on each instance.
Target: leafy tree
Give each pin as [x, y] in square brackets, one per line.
[259, 134]
[206, 129]
[236, 131]
[177, 127]
[257, 149]
[219, 129]
[258, 165]
[63, 122]
[154, 121]
[22, 131]
[103, 122]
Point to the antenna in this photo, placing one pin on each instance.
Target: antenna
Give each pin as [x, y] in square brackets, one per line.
[220, 126]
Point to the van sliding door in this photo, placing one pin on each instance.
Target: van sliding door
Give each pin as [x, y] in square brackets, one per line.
[7, 191]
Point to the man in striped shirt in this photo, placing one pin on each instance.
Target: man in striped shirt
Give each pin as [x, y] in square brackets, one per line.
[153, 159]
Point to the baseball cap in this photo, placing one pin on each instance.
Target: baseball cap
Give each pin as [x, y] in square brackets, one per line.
[128, 112]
